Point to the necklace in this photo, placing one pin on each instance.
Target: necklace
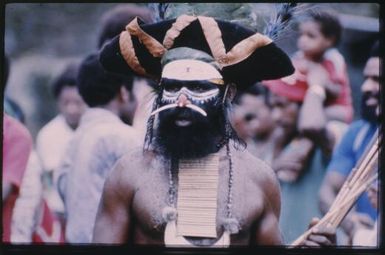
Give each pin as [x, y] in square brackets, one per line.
[196, 207]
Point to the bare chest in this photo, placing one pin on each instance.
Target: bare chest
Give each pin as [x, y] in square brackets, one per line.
[152, 196]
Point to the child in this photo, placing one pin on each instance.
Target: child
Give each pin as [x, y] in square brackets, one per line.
[321, 70]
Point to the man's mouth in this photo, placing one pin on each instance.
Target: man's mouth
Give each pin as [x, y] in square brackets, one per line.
[182, 122]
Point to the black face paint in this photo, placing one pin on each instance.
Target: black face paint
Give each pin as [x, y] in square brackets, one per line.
[202, 135]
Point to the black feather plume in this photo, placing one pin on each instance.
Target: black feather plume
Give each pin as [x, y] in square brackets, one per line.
[280, 21]
[159, 10]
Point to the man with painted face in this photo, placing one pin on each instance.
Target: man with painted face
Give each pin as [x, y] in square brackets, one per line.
[352, 147]
[190, 185]
[191, 114]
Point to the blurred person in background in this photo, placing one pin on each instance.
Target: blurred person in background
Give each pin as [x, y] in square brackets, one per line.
[112, 23]
[351, 148]
[115, 20]
[17, 146]
[33, 220]
[53, 138]
[291, 150]
[99, 141]
[10, 106]
[320, 78]
[251, 118]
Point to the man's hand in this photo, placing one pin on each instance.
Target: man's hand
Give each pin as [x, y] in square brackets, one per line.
[312, 119]
[320, 237]
[291, 162]
[355, 222]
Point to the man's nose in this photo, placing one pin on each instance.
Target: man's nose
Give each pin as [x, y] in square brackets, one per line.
[369, 86]
[182, 100]
[275, 114]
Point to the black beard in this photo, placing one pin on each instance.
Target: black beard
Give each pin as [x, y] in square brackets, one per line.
[197, 140]
[368, 112]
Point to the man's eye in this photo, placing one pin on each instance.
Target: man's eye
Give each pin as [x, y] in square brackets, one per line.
[172, 88]
[310, 35]
[197, 88]
[249, 117]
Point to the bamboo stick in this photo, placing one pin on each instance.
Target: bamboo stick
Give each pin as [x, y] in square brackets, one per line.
[325, 220]
[356, 183]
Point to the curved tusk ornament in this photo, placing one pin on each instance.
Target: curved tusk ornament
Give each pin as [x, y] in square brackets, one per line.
[165, 107]
[191, 106]
[197, 109]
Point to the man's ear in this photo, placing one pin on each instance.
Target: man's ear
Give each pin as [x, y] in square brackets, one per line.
[124, 94]
[231, 91]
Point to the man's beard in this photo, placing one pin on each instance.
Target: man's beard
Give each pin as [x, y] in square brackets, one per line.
[369, 112]
[196, 140]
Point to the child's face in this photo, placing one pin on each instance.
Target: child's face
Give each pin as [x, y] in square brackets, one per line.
[311, 41]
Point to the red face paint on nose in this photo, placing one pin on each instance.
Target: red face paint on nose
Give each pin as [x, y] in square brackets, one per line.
[183, 101]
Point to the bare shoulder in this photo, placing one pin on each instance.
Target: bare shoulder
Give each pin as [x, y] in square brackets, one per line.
[262, 175]
[130, 168]
[256, 168]
[124, 173]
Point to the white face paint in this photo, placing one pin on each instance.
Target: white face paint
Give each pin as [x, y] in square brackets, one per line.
[189, 70]
[171, 97]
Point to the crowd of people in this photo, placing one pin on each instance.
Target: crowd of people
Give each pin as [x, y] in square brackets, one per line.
[239, 143]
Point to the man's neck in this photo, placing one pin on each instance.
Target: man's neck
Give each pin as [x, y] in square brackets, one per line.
[111, 106]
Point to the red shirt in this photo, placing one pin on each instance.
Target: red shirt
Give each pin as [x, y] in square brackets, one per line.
[17, 145]
[295, 86]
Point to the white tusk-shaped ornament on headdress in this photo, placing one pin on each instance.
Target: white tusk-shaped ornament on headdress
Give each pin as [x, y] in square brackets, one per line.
[191, 106]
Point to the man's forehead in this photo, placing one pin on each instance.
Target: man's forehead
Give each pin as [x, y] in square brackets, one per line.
[372, 67]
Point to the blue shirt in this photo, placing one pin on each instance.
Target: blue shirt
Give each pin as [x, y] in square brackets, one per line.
[348, 153]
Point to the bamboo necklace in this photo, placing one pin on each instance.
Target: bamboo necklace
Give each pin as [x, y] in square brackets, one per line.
[192, 205]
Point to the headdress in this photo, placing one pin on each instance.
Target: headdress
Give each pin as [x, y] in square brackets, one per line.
[242, 56]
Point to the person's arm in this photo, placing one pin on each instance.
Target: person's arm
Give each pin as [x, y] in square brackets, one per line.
[341, 164]
[17, 145]
[332, 90]
[27, 205]
[325, 236]
[112, 223]
[267, 230]
[291, 162]
[312, 118]
[329, 189]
